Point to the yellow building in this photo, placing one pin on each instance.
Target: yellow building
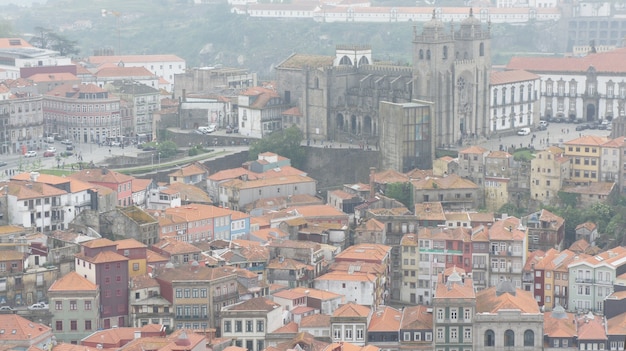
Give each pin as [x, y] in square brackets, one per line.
[136, 252]
[409, 265]
[584, 155]
[549, 169]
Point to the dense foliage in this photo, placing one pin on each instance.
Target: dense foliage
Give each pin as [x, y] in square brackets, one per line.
[286, 143]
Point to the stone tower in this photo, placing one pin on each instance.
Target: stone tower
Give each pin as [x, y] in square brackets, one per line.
[451, 69]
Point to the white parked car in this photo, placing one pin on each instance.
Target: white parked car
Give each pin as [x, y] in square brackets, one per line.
[51, 149]
[212, 128]
[38, 306]
[30, 154]
[523, 131]
[5, 309]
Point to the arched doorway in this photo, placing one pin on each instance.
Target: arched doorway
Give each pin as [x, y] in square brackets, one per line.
[353, 125]
[367, 125]
[340, 122]
[591, 112]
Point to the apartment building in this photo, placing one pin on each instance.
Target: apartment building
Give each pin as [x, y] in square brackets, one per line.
[454, 308]
[584, 154]
[248, 322]
[550, 169]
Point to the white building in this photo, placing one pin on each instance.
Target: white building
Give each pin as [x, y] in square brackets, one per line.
[248, 322]
[164, 66]
[610, 164]
[358, 287]
[514, 102]
[162, 198]
[260, 112]
[589, 88]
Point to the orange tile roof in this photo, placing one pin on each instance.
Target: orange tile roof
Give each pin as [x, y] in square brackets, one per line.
[189, 170]
[464, 290]
[294, 111]
[18, 328]
[318, 294]
[143, 282]
[352, 309]
[385, 319]
[129, 244]
[452, 181]
[285, 263]
[190, 193]
[267, 181]
[291, 327]
[617, 325]
[511, 76]
[409, 240]
[475, 149]
[348, 277]
[559, 324]
[590, 226]
[12, 256]
[268, 234]
[53, 77]
[100, 242]
[315, 321]
[488, 301]
[175, 247]
[72, 282]
[588, 140]
[134, 59]
[429, 211]
[591, 328]
[117, 337]
[101, 176]
[289, 294]
[189, 272]
[10, 43]
[508, 229]
[365, 252]
[25, 190]
[140, 184]
[103, 257]
[129, 72]
[153, 257]
[605, 62]
[390, 176]
[417, 318]
[254, 304]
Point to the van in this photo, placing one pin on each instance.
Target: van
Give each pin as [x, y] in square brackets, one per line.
[523, 131]
[203, 130]
[49, 140]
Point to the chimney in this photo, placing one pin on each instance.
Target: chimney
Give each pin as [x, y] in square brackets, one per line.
[34, 176]
[137, 334]
[372, 192]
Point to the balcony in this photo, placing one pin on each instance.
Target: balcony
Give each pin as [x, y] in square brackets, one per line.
[224, 297]
[584, 280]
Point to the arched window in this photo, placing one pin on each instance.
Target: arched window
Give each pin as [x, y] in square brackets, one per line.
[529, 338]
[345, 61]
[509, 338]
[495, 97]
[490, 338]
[481, 49]
[445, 52]
[421, 54]
[428, 54]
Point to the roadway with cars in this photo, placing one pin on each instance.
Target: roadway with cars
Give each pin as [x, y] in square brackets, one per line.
[554, 134]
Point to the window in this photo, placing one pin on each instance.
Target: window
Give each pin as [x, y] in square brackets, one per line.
[453, 314]
[509, 338]
[454, 334]
[337, 333]
[440, 334]
[260, 326]
[135, 266]
[87, 305]
[428, 336]
[238, 326]
[467, 314]
[88, 325]
[348, 333]
[73, 325]
[179, 293]
[467, 334]
[249, 325]
[227, 327]
[529, 338]
[440, 314]
[490, 338]
[406, 336]
[58, 305]
[58, 325]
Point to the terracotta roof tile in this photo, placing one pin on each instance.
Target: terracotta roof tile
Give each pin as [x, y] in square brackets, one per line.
[511, 76]
[72, 282]
[315, 321]
[605, 62]
[417, 318]
[488, 301]
[352, 309]
[322, 295]
[254, 304]
[385, 319]
[25, 330]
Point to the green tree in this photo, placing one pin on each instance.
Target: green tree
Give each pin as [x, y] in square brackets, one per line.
[47, 39]
[402, 192]
[286, 143]
[167, 149]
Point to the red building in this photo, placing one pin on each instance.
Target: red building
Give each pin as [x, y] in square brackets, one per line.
[100, 263]
[118, 182]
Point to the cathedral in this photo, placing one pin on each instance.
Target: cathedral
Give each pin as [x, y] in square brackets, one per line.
[339, 98]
